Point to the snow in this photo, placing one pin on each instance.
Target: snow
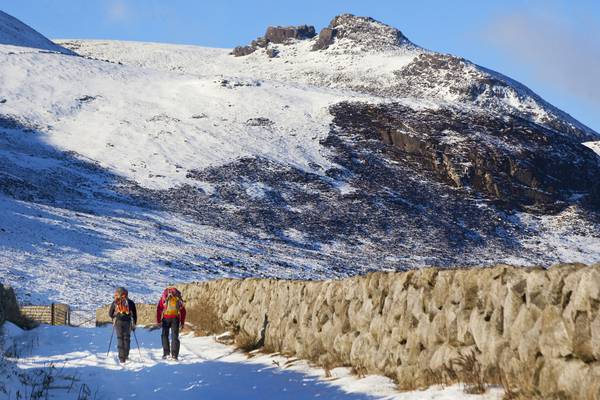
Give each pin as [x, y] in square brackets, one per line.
[206, 369]
[338, 68]
[563, 236]
[54, 254]
[11, 331]
[348, 64]
[14, 32]
[594, 146]
[143, 125]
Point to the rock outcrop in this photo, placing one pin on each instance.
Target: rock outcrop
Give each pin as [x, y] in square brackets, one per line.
[276, 35]
[364, 32]
[513, 162]
[536, 329]
[241, 51]
[326, 38]
[281, 34]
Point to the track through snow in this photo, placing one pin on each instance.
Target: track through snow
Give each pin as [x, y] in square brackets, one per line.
[206, 370]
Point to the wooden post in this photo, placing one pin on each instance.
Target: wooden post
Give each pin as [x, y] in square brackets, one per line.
[52, 314]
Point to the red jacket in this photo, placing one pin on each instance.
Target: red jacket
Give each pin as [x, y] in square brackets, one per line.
[161, 307]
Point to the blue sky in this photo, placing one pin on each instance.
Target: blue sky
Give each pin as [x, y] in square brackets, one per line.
[551, 46]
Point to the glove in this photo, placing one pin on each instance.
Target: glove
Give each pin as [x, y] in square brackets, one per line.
[132, 327]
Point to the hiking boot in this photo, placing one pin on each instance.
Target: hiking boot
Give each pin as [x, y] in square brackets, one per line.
[165, 356]
[174, 358]
[122, 360]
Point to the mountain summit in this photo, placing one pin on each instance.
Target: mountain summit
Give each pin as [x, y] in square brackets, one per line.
[365, 55]
[355, 34]
[364, 33]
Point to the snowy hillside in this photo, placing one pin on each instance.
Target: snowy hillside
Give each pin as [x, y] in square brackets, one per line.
[152, 126]
[143, 164]
[16, 33]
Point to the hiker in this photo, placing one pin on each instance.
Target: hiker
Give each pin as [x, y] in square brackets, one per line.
[124, 315]
[170, 313]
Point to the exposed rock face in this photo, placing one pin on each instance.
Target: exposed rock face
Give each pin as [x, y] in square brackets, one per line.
[281, 34]
[326, 38]
[540, 327]
[512, 161]
[363, 32]
[276, 35]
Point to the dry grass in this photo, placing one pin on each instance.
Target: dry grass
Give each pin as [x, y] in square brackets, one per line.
[465, 369]
[520, 385]
[359, 370]
[245, 342]
[205, 318]
[273, 345]
[441, 377]
[468, 370]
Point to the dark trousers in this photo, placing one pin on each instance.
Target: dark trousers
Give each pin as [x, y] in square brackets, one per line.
[123, 331]
[173, 347]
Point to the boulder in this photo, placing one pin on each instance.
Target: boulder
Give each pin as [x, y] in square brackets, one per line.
[272, 52]
[241, 51]
[326, 38]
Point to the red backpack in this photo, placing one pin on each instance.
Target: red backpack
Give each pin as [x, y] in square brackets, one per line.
[172, 302]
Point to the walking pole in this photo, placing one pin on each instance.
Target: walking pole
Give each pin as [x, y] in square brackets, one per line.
[111, 337]
[138, 345]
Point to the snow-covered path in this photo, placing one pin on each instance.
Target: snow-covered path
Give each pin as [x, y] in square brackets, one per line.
[206, 370]
[201, 372]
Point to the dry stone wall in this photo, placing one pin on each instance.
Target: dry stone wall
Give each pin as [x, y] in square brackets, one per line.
[538, 329]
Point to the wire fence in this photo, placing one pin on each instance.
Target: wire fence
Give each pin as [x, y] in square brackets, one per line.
[85, 318]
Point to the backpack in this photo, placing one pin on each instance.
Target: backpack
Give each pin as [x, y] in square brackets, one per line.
[121, 303]
[172, 301]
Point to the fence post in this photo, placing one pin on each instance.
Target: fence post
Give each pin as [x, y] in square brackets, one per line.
[52, 314]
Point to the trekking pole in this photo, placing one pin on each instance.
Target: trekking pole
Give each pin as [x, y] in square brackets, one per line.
[111, 337]
[138, 345]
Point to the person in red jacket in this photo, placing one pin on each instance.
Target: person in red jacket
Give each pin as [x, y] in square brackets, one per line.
[170, 313]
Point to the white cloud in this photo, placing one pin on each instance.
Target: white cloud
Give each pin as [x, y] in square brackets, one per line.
[564, 56]
[117, 11]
